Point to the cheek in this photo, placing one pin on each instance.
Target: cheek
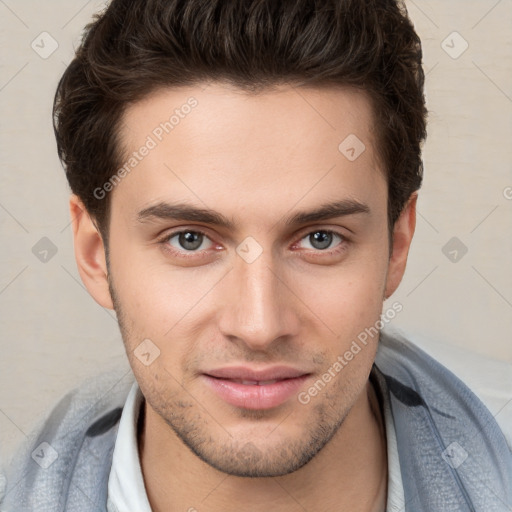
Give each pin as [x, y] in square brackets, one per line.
[145, 285]
[347, 299]
[161, 302]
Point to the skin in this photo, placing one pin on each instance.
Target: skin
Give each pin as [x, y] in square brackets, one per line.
[255, 159]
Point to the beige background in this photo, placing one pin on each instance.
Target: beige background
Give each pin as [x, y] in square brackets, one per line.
[53, 333]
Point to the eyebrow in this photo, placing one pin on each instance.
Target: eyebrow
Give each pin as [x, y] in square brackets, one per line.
[182, 211]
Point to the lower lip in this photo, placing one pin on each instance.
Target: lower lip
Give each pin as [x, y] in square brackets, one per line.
[254, 396]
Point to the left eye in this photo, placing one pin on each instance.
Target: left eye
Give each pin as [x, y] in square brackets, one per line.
[322, 239]
[188, 240]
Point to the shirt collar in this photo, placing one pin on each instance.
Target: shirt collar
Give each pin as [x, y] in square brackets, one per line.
[126, 490]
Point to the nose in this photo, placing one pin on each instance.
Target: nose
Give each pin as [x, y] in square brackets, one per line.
[258, 304]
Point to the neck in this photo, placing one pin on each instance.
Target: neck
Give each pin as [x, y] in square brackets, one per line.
[350, 473]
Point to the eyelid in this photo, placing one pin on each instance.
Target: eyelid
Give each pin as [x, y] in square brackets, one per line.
[313, 229]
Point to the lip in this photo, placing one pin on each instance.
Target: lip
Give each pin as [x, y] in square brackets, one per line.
[255, 389]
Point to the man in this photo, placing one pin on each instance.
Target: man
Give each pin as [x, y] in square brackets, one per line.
[244, 179]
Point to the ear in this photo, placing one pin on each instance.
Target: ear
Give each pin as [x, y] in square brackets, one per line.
[403, 232]
[90, 253]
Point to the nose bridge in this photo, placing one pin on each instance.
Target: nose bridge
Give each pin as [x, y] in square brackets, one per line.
[259, 309]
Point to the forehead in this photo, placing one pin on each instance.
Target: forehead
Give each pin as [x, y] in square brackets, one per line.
[215, 144]
[222, 111]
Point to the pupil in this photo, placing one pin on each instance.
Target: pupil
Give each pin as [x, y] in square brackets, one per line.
[321, 239]
[190, 240]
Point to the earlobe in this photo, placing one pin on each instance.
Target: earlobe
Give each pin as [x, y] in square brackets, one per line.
[90, 253]
[403, 232]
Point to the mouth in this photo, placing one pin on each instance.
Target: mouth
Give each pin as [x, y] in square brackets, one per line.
[255, 389]
[252, 382]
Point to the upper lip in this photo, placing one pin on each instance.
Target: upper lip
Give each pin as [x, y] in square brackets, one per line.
[261, 374]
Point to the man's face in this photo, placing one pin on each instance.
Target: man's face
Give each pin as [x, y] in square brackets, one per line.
[263, 292]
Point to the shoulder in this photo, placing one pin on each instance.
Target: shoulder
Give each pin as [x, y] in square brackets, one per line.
[488, 379]
[79, 431]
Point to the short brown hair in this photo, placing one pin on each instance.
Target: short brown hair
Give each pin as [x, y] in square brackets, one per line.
[138, 46]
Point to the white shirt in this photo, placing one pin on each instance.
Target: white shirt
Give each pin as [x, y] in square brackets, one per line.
[126, 491]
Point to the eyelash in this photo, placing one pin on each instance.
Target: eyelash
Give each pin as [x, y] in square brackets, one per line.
[164, 241]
